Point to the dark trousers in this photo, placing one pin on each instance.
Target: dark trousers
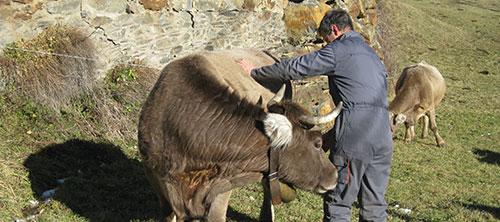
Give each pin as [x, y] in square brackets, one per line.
[365, 180]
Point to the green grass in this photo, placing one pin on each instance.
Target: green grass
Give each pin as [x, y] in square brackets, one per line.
[104, 180]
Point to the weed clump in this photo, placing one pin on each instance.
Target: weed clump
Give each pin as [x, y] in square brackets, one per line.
[127, 86]
[111, 109]
[51, 68]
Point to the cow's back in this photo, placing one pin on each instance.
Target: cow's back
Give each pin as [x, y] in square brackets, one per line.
[198, 109]
[436, 82]
[423, 81]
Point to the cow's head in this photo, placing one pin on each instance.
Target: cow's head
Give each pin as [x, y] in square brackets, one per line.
[302, 161]
[395, 120]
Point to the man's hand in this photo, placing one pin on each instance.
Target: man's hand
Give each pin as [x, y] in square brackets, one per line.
[246, 65]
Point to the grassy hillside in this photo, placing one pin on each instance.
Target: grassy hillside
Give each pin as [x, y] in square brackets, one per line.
[458, 182]
[82, 147]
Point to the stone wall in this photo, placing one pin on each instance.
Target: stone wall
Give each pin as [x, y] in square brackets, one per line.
[156, 31]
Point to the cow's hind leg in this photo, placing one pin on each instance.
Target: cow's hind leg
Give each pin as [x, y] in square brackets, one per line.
[432, 117]
[425, 125]
[218, 208]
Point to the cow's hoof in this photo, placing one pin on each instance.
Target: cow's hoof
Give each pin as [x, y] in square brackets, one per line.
[441, 144]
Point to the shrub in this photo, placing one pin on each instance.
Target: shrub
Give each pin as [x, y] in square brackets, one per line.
[51, 68]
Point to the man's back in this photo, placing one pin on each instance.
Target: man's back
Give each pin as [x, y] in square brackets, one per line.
[359, 75]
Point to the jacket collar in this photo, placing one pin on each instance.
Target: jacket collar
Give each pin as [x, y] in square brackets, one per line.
[349, 34]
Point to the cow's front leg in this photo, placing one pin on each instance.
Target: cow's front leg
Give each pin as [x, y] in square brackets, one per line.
[167, 214]
[266, 210]
[218, 208]
[410, 130]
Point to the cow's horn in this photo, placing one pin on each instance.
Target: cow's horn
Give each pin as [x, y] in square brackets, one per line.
[278, 96]
[316, 120]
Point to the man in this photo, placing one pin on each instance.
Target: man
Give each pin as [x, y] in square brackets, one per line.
[363, 145]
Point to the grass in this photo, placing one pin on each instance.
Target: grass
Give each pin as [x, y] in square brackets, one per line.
[90, 142]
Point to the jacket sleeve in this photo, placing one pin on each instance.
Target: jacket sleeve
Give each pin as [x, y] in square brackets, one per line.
[312, 64]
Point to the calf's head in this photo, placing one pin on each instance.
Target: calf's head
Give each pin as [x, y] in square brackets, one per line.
[396, 119]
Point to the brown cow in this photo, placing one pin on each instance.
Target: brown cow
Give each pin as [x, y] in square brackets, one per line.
[419, 90]
[205, 129]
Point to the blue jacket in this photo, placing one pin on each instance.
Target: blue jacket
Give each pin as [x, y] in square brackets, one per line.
[357, 77]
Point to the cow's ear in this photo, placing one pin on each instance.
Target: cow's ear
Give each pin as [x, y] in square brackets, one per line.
[278, 129]
[275, 108]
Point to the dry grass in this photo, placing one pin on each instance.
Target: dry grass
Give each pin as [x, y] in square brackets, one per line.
[66, 81]
[126, 88]
[111, 109]
[50, 79]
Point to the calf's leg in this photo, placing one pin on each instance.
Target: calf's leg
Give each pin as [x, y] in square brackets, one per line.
[432, 117]
[425, 126]
[410, 130]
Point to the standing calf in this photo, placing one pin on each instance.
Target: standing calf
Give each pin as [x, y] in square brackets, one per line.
[419, 90]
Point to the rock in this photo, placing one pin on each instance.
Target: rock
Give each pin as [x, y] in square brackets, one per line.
[371, 17]
[99, 21]
[370, 4]
[156, 31]
[302, 20]
[154, 5]
[111, 8]
[63, 7]
[4, 2]
[355, 8]
[131, 9]
[22, 16]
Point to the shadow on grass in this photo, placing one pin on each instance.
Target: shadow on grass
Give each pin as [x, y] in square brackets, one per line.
[487, 156]
[494, 211]
[101, 182]
[233, 215]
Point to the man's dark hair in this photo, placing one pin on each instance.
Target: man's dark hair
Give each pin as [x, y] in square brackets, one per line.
[338, 17]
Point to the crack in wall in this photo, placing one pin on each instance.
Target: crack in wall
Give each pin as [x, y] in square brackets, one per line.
[192, 18]
[84, 15]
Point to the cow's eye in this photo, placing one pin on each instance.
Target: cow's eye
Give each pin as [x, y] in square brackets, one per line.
[306, 126]
[277, 109]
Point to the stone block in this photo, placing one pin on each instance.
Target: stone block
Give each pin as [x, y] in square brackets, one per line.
[155, 5]
[4, 2]
[63, 7]
[106, 7]
[370, 4]
[303, 19]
